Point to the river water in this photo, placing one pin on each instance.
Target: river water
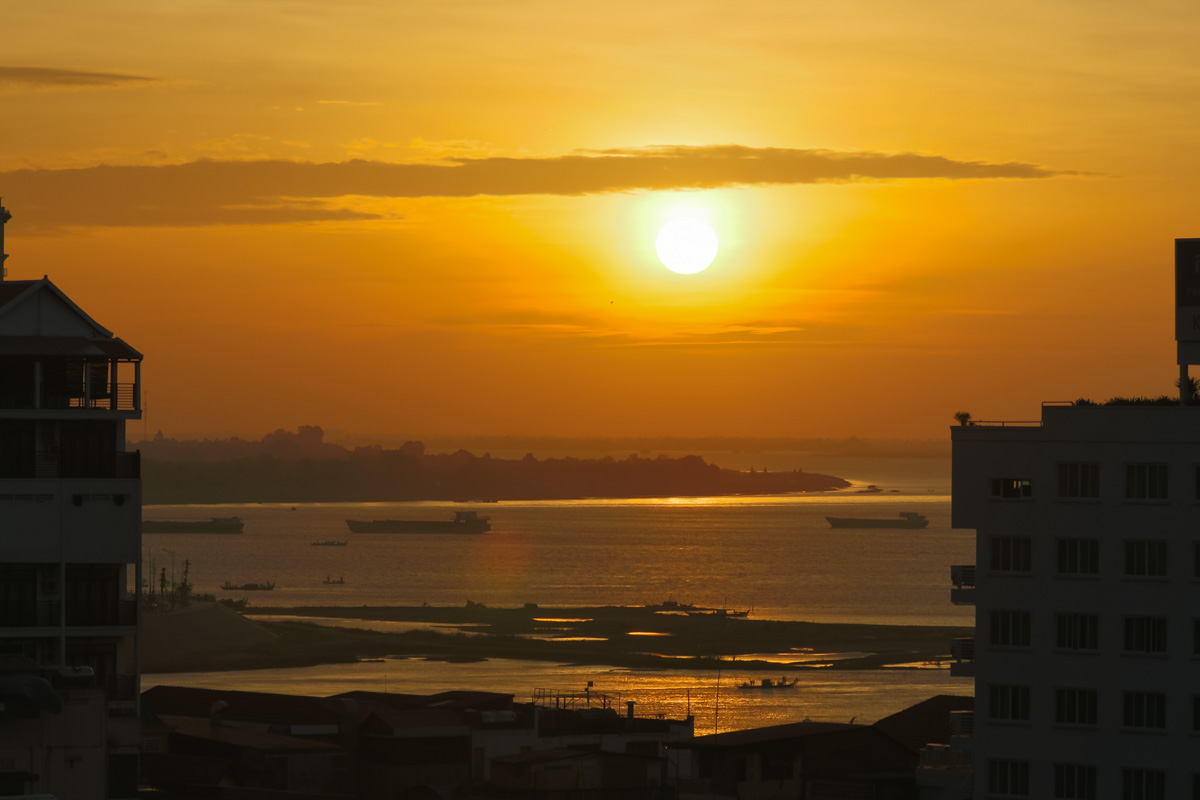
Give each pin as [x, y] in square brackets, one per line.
[775, 555]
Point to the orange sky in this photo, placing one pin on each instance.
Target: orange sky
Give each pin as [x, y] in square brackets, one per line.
[389, 217]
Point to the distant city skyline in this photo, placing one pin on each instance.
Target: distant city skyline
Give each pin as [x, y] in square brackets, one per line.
[381, 217]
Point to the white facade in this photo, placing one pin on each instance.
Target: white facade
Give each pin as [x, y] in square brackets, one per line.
[1086, 655]
[70, 535]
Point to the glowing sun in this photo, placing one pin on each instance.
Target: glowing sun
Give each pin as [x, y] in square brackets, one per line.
[686, 245]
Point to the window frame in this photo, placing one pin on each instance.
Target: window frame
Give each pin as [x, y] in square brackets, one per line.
[1010, 549]
[1077, 626]
[1071, 548]
[1144, 711]
[1011, 699]
[1143, 482]
[1010, 618]
[1131, 622]
[1081, 776]
[1084, 703]
[1011, 488]
[1146, 555]
[1086, 479]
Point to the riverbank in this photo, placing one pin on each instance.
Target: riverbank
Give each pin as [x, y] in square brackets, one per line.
[666, 636]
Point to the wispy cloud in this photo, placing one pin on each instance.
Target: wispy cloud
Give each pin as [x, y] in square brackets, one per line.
[212, 192]
[49, 77]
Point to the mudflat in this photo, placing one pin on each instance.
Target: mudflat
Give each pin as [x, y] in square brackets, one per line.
[667, 636]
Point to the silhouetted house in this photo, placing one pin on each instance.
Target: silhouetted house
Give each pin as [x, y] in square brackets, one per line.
[208, 758]
[935, 731]
[70, 533]
[315, 718]
[812, 760]
[566, 774]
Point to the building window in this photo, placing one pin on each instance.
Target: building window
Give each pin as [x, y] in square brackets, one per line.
[1080, 556]
[1144, 710]
[1010, 488]
[1143, 784]
[1011, 554]
[1146, 559]
[1145, 634]
[1077, 631]
[1196, 713]
[1010, 628]
[1074, 782]
[1008, 777]
[1145, 481]
[1008, 703]
[1196, 637]
[1075, 706]
[1196, 560]
[1079, 480]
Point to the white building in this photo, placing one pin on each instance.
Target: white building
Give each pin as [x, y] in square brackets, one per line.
[1086, 655]
[70, 542]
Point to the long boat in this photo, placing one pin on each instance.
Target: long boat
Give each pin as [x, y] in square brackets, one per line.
[330, 543]
[770, 683]
[230, 586]
[463, 522]
[214, 525]
[907, 519]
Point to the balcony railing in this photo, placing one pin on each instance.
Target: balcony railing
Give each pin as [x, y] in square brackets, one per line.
[963, 653]
[963, 578]
[41, 614]
[48, 466]
[942, 756]
[113, 397]
[962, 723]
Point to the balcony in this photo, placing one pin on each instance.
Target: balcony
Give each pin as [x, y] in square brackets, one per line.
[124, 464]
[962, 729]
[113, 397]
[963, 653]
[963, 578]
[41, 614]
[945, 769]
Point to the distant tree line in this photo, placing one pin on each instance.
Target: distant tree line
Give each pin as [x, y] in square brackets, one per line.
[300, 467]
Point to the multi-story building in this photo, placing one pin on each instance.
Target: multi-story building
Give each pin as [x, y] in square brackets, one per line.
[1086, 655]
[70, 541]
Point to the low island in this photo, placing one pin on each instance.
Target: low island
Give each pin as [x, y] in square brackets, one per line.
[214, 637]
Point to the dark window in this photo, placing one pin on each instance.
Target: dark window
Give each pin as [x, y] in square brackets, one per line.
[1074, 782]
[776, 767]
[1009, 488]
[1078, 480]
[1011, 554]
[1146, 559]
[18, 448]
[1008, 777]
[1075, 706]
[1196, 637]
[1143, 784]
[1077, 631]
[1008, 702]
[18, 596]
[1144, 710]
[1146, 481]
[1196, 713]
[1146, 634]
[1010, 628]
[1079, 556]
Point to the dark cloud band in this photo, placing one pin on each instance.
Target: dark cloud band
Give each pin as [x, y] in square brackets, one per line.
[232, 192]
[49, 77]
